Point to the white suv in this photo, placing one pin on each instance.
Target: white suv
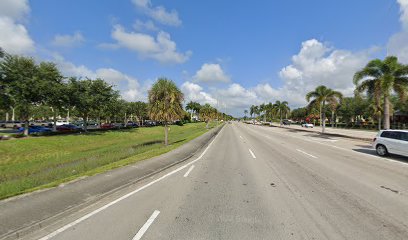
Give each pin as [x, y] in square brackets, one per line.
[391, 141]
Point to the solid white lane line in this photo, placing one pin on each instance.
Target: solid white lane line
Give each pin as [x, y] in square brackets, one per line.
[310, 155]
[60, 230]
[253, 155]
[189, 170]
[146, 226]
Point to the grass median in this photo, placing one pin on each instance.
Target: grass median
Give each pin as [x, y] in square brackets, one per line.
[39, 162]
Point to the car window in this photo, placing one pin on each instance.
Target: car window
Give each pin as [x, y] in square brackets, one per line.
[404, 136]
[391, 134]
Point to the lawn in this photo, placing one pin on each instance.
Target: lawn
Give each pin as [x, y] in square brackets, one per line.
[38, 162]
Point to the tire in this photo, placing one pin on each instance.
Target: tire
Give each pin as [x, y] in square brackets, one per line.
[381, 150]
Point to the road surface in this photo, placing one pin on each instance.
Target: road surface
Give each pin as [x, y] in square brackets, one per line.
[255, 182]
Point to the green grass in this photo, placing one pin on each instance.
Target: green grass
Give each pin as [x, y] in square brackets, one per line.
[39, 162]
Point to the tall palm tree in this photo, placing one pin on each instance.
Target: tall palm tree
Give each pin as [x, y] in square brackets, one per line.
[252, 110]
[262, 110]
[379, 78]
[281, 108]
[333, 103]
[165, 103]
[320, 96]
[245, 113]
[190, 108]
[208, 113]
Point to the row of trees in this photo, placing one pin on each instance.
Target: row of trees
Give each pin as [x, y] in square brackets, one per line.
[36, 91]
[269, 111]
[381, 87]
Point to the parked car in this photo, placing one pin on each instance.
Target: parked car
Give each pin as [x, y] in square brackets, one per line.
[391, 141]
[132, 124]
[41, 123]
[286, 122]
[68, 128]
[307, 125]
[61, 122]
[35, 129]
[107, 126]
[13, 124]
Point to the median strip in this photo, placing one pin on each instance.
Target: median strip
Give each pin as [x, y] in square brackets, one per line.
[146, 226]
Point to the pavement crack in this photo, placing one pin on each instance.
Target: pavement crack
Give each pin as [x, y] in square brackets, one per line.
[390, 189]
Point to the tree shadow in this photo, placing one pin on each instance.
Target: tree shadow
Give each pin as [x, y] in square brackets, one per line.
[372, 152]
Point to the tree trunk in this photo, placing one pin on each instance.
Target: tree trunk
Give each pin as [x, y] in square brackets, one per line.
[68, 116]
[54, 118]
[332, 119]
[125, 120]
[386, 112]
[166, 134]
[7, 116]
[323, 119]
[379, 122]
[191, 115]
[208, 122]
[320, 114]
[86, 122]
[26, 127]
[281, 118]
[13, 114]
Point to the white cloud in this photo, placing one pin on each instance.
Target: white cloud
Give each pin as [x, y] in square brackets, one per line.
[318, 64]
[194, 92]
[159, 13]
[73, 40]
[211, 73]
[161, 48]
[128, 86]
[404, 13]
[398, 43]
[14, 36]
[236, 98]
[148, 25]
[14, 9]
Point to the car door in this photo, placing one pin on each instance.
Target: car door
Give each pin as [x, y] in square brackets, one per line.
[403, 143]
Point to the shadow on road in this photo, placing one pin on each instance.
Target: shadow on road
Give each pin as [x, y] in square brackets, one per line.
[373, 153]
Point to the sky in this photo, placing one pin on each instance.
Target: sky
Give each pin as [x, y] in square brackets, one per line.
[231, 54]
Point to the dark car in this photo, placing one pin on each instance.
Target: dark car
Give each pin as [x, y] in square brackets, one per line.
[35, 129]
[132, 124]
[68, 128]
[108, 126]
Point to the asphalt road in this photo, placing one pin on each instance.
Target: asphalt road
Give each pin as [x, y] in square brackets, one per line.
[256, 182]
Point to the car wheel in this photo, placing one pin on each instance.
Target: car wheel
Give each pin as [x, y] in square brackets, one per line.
[381, 150]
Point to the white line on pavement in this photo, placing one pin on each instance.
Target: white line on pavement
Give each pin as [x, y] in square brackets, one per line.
[189, 170]
[60, 230]
[146, 226]
[310, 155]
[253, 155]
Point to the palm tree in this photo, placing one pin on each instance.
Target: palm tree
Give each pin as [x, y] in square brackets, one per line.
[379, 78]
[208, 113]
[190, 108]
[252, 110]
[333, 103]
[281, 108]
[245, 113]
[165, 103]
[321, 95]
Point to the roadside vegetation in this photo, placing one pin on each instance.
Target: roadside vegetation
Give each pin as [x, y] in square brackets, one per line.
[379, 102]
[39, 162]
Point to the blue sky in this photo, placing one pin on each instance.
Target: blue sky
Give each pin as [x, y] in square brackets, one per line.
[230, 54]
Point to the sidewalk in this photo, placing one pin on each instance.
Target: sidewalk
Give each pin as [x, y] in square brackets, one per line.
[366, 135]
